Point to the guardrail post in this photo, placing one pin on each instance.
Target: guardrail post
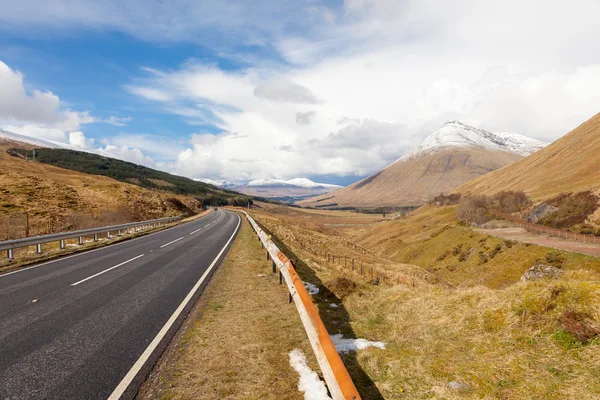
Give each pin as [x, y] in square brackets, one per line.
[9, 254]
[108, 235]
[280, 278]
[273, 265]
[119, 232]
[80, 240]
[38, 248]
[268, 255]
[62, 244]
[95, 237]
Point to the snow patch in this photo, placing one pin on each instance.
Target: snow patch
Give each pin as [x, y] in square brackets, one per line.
[313, 387]
[217, 183]
[457, 134]
[312, 289]
[298, 182]
[333, 305]
[347, 345]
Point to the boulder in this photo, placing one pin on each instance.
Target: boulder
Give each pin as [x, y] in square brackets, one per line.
[540, 271]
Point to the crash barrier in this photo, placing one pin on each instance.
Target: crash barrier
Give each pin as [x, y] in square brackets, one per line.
[334, 371]
[10, 245]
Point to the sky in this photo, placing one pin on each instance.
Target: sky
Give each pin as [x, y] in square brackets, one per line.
[329, 90]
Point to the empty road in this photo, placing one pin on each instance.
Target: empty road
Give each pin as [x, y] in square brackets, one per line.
[91, 326]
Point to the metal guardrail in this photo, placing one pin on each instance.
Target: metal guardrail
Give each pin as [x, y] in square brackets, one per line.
[334, 371]
[10, 245]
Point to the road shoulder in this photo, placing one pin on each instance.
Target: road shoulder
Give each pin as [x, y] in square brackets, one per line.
[235, 342]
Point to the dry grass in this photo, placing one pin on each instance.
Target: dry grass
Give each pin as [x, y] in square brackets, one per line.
[528, 340]
[571, 164]
[235, 343]
[58, 199]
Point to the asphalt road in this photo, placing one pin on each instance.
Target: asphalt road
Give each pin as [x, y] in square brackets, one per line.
[91, 326]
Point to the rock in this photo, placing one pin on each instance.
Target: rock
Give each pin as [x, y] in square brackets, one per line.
[457, 385]
[540, 211]
[540, 271]
[375, 281]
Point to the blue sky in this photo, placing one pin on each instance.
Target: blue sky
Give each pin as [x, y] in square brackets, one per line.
[330, 90]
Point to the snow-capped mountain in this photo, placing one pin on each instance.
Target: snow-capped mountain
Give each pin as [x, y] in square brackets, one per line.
[218, 183]
[457, 134]
[446, 159]
[290, 190]
[299, 182]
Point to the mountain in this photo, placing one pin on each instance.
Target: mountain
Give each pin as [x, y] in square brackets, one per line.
[570, 164]
[289, 191]
[10, 137]
[454, 154]
[218, 183]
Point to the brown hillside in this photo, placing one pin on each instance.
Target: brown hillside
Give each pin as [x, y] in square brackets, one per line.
[417, 180]
[571, 164]
[58, 199]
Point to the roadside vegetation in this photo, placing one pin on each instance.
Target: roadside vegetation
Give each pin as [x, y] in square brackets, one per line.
[139, 175]
[468, 327]
[235, 343]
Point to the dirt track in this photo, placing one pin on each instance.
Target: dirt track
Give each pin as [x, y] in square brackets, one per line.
[525, 236]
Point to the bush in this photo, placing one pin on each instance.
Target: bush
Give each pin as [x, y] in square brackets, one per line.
[473, 209]
[555, 258]
[573, 209]
[510, 201]
[447, 200]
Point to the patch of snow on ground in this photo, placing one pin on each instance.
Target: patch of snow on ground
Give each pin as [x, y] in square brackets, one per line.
[333, 305]
[312, 289]
[313, 387]
[261, 275]
[347, 345]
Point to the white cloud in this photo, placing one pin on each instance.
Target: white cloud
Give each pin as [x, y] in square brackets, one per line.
[347, 88]
[78, 139]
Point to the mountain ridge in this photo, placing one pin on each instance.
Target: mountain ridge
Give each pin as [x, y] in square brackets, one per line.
[450, 156]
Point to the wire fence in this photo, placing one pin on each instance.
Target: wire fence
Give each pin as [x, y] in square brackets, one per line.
[546, 230]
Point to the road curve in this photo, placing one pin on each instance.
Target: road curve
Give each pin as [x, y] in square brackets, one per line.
[91, 326]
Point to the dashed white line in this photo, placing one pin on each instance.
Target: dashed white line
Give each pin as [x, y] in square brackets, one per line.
[206, 225]
[122, 386]
[176, 240]
[197, 230]
[106, 270]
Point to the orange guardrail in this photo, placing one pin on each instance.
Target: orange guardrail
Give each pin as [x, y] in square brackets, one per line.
[334, 371]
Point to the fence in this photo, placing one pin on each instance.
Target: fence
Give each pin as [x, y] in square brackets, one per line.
[10, 245]
[334, 371]
[536, 228]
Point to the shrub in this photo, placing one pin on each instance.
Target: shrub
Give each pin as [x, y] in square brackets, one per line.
[447, 200]
[511, 201]
[473, 209]
[555, 258]
[572, 209]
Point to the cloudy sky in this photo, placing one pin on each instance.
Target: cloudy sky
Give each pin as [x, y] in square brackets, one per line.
[331, 90]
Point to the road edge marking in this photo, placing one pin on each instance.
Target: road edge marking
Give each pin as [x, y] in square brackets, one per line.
[130, 376]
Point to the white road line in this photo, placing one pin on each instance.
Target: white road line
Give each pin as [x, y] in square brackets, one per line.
[111, 245]
[106, 270]
[122, 386]
[176, 240]
[206, 225]
[197, 230]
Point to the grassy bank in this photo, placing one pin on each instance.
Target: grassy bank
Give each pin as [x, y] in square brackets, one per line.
[235, 343]
[509, 340]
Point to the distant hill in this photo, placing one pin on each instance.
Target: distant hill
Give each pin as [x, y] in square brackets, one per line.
[454, 154]
[570, 164]
[276, 189]
[90, 163]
